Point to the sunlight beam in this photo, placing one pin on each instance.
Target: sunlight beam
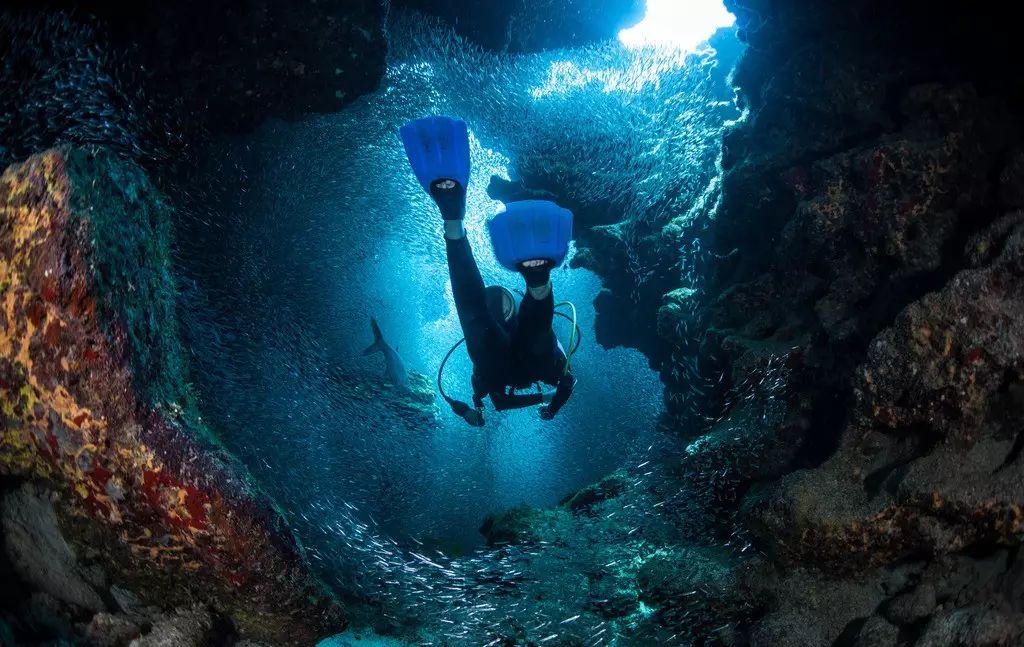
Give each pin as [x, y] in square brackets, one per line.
[677, 24]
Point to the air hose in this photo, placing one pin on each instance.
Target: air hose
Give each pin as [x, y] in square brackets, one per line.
[575, 339]
[440, 369]
[573, 334]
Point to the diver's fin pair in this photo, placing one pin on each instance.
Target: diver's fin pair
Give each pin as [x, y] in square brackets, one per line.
[437, 149]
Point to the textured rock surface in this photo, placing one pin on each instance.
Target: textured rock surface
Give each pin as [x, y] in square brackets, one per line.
[149, 78]
[839, 334]
[855, 297]
[38, 552]
[96, 403]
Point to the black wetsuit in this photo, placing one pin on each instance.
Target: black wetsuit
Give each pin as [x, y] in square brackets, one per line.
[506, 360]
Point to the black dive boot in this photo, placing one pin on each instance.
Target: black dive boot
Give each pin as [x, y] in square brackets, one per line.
[536, 275]
[450, 197]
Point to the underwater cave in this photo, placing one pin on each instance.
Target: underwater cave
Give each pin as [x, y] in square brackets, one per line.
[253, 391]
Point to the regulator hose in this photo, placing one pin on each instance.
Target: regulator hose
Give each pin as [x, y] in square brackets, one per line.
[575, 339]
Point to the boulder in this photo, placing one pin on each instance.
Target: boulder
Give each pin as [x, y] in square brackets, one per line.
[96, 403]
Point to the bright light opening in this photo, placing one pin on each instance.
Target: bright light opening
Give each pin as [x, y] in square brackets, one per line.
[677, 24]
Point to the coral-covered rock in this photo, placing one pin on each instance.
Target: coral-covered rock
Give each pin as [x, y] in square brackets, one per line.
[672, 576]
[930, 464]
[867, 232]
[975, 626]
[913, 606]
[188, 627]
[875, 632]
[521, 524]
[111, 630]
[804, 608]
[96, 403]
[586, 497]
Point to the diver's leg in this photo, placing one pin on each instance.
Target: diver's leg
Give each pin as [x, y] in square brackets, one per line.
[450, 197]
[484, 337]
[536, 315]
[467, 284]
[537, 309]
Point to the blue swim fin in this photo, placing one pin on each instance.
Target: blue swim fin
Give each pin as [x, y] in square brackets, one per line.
[438, 149]
[528, 230]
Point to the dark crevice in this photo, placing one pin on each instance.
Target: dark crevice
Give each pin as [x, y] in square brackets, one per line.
[910, 633]
[1015, 451]
[923, 440]
[848, 637]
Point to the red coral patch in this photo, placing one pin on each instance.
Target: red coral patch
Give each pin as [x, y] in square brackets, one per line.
[50, 290]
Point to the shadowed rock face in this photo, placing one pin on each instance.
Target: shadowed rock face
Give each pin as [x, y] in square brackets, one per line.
[868, 240]
[95, 406]
[842, 347]
[150, 79]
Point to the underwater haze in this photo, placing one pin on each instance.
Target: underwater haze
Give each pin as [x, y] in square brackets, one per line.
[233, 379]
[332, 228]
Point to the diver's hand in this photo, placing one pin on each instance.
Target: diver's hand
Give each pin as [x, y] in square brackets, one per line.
[545, 413]
[473, 417]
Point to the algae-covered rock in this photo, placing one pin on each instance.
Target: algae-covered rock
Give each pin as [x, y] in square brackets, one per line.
[96, 403]
[609, 487]
[521, 524]
[671, 576]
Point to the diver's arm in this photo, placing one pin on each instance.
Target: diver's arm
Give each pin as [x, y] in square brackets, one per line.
[504, 401]
[565, 387]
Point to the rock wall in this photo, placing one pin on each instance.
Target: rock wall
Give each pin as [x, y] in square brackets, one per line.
[842, 351]
[150, 79]
[864, 268]
[96, 410]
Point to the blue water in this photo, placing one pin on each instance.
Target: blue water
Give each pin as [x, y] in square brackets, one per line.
[330, 228]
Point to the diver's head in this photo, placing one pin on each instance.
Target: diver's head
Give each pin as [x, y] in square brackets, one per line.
[502, 305]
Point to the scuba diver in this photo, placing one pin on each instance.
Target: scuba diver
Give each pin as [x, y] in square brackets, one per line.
[511, 347]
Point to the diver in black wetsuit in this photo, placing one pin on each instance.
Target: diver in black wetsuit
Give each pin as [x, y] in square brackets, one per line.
[509, 350]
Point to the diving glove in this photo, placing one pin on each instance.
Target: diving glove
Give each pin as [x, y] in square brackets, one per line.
[473, 416]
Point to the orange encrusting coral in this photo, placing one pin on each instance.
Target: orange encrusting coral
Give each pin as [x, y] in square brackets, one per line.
[72, 415]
